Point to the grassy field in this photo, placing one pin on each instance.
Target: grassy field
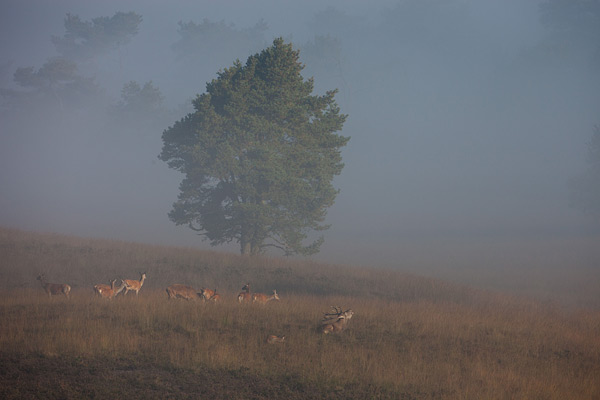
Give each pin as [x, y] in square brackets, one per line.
[410, 338]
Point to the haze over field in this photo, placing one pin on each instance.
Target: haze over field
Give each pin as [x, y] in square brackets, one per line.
[467, 119]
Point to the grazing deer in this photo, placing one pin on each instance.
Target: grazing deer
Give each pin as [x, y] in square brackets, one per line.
[245, 296]
[215, 297]
[183, 291]
[108, 292]
[263, 298]
[208, 294]
[54, 288]
[101, 286]
[132, 284]
[274, 339]
[336, 322]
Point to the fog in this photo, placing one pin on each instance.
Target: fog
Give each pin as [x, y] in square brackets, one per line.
[467, 119]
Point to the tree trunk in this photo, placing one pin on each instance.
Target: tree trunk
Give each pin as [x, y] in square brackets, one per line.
[245, 248]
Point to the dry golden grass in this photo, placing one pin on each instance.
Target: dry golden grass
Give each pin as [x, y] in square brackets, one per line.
[499, 348]
[410, 337]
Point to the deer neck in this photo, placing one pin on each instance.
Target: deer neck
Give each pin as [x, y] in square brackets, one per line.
[118, 290]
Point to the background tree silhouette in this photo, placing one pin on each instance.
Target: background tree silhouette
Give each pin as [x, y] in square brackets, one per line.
[86, 39]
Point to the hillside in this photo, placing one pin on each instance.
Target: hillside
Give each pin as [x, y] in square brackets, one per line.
[410, 337]
[82, 263]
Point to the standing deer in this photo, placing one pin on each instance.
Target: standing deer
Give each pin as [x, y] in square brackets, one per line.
[245, 296]
[54, 288]
[336, 322]
[108, 292]
[263, 298]
[132, 284]
[274, 339]
[183, 291]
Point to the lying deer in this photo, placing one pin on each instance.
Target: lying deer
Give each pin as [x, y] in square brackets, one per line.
[336, 322]
[274, 339]
[54, 288]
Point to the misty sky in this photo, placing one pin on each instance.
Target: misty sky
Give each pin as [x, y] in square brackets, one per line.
[466, 118]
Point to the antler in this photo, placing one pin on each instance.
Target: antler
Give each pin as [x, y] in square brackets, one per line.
[337, 312]
[336, 321]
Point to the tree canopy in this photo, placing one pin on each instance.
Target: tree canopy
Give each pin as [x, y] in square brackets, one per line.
[85, 39]
[57, 79]
[259, 154]
[138, 99]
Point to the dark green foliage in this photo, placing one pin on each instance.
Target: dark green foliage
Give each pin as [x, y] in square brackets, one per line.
[258, 154]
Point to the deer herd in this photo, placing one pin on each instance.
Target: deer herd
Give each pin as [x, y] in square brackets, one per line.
[333, 322]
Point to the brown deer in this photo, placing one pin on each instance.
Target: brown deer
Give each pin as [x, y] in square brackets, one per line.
[101, 286]
[132, 284]
[245, 296]
[208, 294]
[183, 291]
[263, 298]
[108, 292]
[336, 322]
[54, 288]
[215, 298]
[274, 339]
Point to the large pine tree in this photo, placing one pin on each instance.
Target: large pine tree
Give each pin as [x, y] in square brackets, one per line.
[259, 154]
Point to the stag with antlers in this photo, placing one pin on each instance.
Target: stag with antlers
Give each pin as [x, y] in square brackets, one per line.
[336, 321]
